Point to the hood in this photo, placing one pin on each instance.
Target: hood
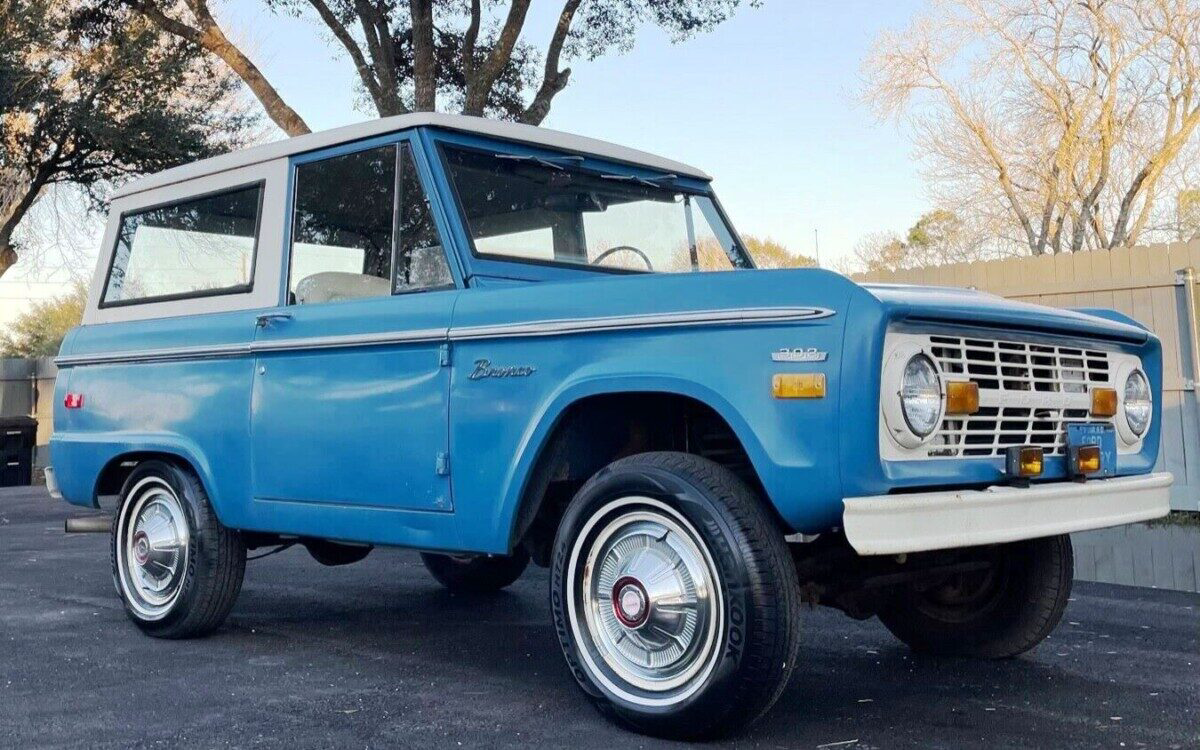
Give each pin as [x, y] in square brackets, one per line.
[953, 305]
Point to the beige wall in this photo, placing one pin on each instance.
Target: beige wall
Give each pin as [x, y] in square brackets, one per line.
[44, 409]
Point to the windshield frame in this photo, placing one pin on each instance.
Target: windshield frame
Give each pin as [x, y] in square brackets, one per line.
[489, 264]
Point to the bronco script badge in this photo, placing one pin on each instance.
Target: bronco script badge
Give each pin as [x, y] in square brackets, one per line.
[485, 369]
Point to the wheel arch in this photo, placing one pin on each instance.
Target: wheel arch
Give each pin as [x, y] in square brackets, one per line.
[116, 469]
[553, 444]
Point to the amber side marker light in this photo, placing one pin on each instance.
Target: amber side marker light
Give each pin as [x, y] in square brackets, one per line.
[1085, 460]
[808, 385]
[1104, 402]
[1025, 461]
[962, 397]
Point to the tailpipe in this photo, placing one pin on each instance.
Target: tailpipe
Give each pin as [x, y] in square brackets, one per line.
[88, 525]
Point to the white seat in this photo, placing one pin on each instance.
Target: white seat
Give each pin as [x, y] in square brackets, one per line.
[332, 286]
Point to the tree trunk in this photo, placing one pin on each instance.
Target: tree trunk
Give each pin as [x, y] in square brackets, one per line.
[553, 79]
[13, 212]
[480, 85]
[424, 65]
[8, 250]
[8, 257]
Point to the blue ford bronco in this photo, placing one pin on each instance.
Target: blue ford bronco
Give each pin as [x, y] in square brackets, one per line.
[498, 344]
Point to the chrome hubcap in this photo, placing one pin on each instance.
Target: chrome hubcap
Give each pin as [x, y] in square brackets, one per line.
[631, 603]
[152, 538]
[647, 597]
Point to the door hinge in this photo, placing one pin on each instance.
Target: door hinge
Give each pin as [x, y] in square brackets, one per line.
[444, 355]
[442, 465]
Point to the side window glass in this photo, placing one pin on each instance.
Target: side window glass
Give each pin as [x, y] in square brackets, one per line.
[191, 248]
[342, 232]
[420, 258]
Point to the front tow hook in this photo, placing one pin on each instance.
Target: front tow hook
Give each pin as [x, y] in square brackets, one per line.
[88, 525]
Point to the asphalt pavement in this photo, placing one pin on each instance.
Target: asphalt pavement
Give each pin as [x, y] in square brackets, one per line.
[377, 655]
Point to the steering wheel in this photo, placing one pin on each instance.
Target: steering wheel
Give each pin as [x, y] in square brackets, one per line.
[645, 258]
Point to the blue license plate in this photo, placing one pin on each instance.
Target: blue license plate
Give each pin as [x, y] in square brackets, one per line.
[1103, 435]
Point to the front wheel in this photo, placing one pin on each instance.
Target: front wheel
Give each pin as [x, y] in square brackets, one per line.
[674, 598]
[177, 569]
[997, 612]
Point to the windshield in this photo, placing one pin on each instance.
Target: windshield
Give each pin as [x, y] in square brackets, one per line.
[550, 210]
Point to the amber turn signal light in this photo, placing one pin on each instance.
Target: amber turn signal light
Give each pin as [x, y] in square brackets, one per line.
[962, 397]
[1104, 402]
[1025, 461]
[807, 385]
[1085, 460]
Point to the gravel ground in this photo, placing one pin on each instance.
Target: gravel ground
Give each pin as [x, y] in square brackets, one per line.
[376, 654]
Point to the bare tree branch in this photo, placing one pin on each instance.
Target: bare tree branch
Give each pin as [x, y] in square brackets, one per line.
[1070, 114]
[209, 36]
[553, 79]
[470, 39]
[499, 56]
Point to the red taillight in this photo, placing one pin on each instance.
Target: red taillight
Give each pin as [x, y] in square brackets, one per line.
[73, 401]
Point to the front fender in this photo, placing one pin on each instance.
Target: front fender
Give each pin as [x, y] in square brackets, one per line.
[791, 445]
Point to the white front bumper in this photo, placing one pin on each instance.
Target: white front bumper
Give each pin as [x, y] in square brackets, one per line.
[891, 524]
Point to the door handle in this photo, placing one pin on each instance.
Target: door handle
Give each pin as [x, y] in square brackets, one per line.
[266, 318]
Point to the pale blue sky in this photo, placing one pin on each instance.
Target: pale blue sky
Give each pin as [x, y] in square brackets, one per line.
[766, 103]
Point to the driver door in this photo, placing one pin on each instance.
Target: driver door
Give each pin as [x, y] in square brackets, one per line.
[350, 396]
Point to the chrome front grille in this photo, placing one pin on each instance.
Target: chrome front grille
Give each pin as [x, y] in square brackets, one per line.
[1027, 394]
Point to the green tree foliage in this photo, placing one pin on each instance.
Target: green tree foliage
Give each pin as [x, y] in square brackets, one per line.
[39, 331]
[91, 104]
[938, 238]
[768, 253]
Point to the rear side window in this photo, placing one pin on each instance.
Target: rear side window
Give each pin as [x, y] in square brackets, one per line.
[198, 247]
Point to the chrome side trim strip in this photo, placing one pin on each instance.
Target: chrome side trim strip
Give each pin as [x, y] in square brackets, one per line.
[173, 354]
[418, 336]
[634, 322]
[465, 333]
[239, 350]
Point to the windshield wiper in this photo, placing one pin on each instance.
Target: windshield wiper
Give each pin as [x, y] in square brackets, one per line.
[654, 182]
[562, 162]
[552, 162]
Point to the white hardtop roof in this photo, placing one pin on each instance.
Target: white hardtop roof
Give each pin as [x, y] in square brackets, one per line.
[508, 131]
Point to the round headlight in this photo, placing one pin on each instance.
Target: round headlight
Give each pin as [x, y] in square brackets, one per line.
[921, 396]
[1138, 403]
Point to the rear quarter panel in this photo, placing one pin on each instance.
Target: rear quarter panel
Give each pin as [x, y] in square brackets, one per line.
[196, 409]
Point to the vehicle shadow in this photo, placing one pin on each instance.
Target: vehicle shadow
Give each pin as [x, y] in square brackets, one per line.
[853, 680]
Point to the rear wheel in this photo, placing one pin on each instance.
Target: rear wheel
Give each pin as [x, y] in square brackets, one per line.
[177, 569]
[995, 613]
[478, 574]
[674, 597]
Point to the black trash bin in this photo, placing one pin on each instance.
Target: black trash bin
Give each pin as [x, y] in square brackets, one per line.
[18, 436]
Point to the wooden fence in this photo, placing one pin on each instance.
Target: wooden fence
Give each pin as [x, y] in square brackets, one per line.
[1154, 284]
